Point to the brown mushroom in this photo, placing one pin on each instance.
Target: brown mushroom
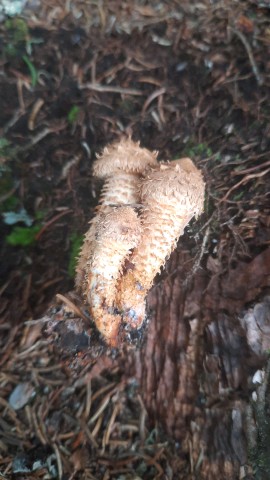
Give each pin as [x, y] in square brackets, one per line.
[117, 232]
[185, 163]
[171, 196]
[121, 166]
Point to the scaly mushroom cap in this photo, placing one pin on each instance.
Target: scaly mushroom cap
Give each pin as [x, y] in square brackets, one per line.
[124, 156]
[176, 187]
[121, 225]
[117, 233]
[170, 197]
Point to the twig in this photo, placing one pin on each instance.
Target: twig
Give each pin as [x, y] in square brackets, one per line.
[243, 181]
[15, 117]
[152, 461]
[9, 193]
[88, 401]
[111, 72]
[254, 66]
[36, 108]
[102, 407]
[37, 138]
[152, 97]
[251, 169]
[38, 429]
[34, 140]
[89, 434]
[142, 419]
[72, 306]
[103, 88]
[53, 220]
[58, 461]
[108, 431]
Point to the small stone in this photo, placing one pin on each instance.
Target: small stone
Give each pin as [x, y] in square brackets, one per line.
[21, 395]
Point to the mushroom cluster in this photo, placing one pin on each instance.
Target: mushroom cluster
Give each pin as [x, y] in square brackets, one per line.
[123, 251]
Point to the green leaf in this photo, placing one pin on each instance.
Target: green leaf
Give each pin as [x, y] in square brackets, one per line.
[22, 236]
[73, 114]
[238, 196]
[32, 70]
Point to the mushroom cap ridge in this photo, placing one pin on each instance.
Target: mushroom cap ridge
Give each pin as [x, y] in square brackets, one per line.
[124, 156]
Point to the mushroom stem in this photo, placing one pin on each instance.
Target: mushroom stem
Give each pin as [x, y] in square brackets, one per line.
[121, 165]
[120, 189]
[87, 247]
[170, 196]
[117, 232]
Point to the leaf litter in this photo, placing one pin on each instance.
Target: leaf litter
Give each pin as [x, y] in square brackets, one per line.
[189, 79]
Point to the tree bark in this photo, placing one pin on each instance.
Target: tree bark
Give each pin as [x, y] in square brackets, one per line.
[195, 369]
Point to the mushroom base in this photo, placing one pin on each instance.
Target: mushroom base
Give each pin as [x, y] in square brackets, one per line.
[131, 297]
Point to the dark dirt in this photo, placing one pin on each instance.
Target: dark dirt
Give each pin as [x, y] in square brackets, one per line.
[186, 80]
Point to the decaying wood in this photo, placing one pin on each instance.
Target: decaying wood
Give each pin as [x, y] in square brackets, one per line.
[197, 363]
[201, 352]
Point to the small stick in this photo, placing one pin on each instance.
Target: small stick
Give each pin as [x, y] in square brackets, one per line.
[251, 169]
[152, 97]
[104, 88]
[53, 220]
[255, 69]
[72, 306]
[37, 138]
[36, 108]
[58, 461]
[243, 181]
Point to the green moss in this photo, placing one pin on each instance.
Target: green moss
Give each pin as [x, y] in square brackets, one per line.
[260, 455]
[18, 29]
[9, 204]
[22, 236]
[7, 152]
[17, 36]
[197, 150]
[17, 39]
[4, 147]
[40, 214]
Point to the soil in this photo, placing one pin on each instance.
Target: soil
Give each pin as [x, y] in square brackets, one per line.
[184, 78]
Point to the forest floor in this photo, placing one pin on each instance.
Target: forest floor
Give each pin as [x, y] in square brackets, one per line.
[184, 78]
